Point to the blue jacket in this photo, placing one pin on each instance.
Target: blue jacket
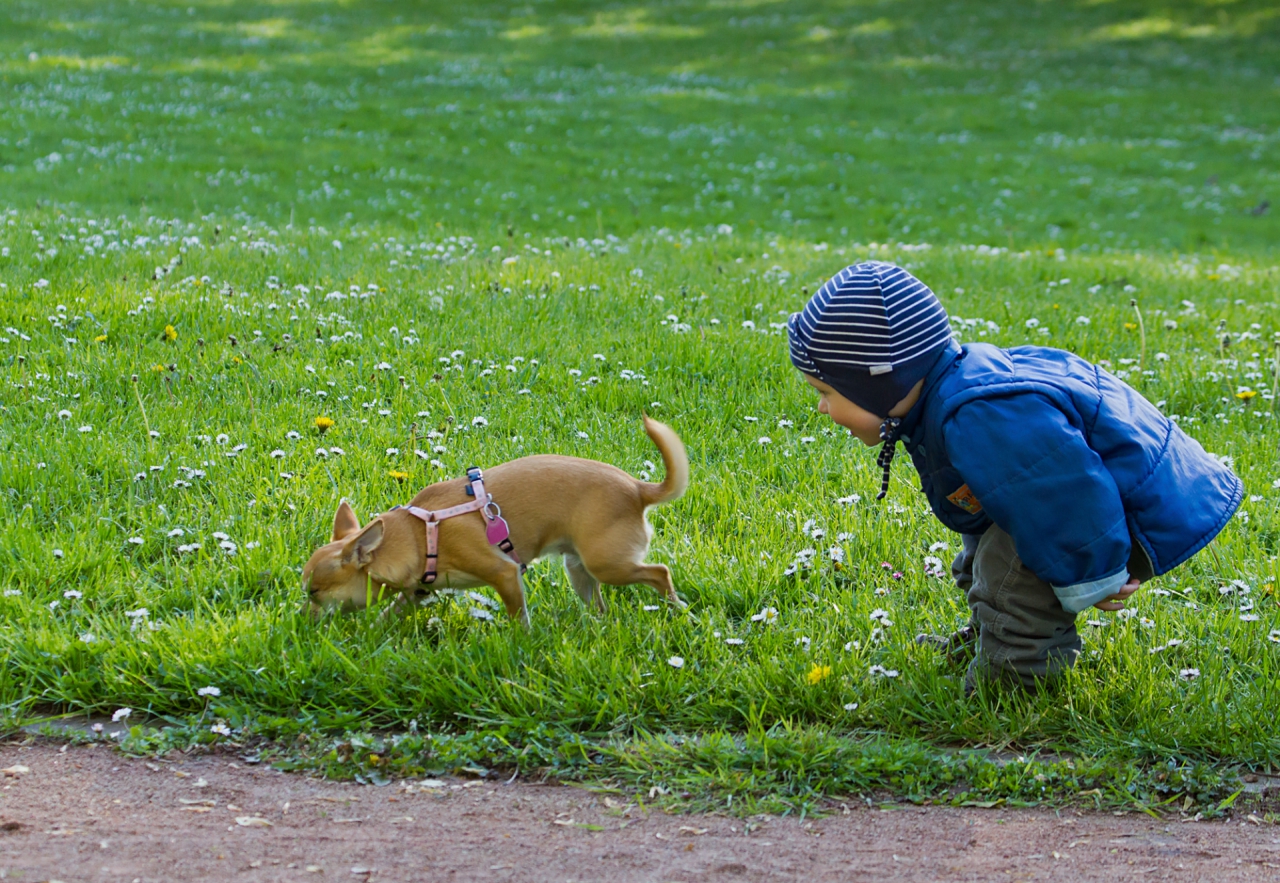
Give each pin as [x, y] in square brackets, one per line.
[1070, 461]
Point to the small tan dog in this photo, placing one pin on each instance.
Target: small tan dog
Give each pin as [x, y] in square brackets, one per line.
[588, 511]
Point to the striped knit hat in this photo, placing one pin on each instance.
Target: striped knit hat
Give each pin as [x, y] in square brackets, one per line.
[870, 333]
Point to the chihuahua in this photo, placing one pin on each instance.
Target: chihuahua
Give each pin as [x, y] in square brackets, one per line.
[590, 512]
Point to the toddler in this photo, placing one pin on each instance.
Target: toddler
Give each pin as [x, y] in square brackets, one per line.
[1068, 487]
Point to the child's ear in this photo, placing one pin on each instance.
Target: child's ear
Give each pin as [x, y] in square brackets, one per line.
[345, 522]
[359, 549]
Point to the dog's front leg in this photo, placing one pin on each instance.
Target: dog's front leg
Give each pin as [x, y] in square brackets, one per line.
[489, 566]
[511, 589]
[400, 606]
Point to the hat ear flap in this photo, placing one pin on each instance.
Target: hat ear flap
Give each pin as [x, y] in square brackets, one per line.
[345, 522]
[359, 549]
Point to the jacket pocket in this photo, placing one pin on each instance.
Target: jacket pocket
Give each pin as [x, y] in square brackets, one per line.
[943, 484]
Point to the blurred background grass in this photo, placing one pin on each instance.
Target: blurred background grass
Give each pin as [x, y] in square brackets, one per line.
[1081, 123]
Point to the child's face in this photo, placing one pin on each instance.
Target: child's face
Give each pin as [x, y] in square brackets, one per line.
[861, 423]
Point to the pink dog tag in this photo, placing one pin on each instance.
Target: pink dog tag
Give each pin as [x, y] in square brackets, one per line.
[497, 531]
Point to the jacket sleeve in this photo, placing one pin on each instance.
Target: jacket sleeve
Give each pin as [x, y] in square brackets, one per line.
[1037, 478]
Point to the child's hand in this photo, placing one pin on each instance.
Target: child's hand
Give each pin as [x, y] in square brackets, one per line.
[1116, 601]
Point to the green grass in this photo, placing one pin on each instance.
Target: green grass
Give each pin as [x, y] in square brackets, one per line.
[213, 157]
[1116, 123]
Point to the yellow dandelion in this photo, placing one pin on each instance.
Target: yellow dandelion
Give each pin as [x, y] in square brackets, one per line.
[397, 475]
[236, 360]
[1129, 326]
[1245, 394]
[101, 338]
[170, 333]
[323, 423]
[157, 368]
[817, 673]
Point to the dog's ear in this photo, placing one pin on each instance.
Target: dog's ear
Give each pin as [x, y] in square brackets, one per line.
[359, 549]
[345, 522]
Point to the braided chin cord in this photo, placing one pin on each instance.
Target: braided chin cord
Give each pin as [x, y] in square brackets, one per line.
[889, 430]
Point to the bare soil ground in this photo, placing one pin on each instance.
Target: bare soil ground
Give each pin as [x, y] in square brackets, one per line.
[90, 814]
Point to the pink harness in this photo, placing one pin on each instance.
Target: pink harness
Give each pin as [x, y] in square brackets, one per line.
[496, 532]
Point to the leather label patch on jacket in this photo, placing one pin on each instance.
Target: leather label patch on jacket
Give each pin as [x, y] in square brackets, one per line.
[963, 498]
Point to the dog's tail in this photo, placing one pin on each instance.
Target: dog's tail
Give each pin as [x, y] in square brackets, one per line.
[674, 460]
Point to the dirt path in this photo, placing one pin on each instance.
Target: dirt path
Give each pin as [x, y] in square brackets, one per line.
[88, 814]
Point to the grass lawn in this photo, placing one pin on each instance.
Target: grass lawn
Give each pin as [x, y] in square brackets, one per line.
[473, 232]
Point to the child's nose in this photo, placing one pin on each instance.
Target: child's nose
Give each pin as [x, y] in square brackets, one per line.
[822, 407]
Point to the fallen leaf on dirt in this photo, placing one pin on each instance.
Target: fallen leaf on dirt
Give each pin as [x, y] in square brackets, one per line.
[696, 832]
[16, 770]
[402, 819]
[252, 822]
[313, 869]
[562, 821]
[154, 767]
[200, 783]
[181, 775]
[434, 783]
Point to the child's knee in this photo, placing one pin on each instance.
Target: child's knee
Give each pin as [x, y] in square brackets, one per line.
[962, 564]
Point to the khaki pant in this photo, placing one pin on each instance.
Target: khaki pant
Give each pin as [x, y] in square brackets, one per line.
[1023, 633]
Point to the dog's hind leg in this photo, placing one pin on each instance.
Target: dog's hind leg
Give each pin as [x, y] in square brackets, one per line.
[625, 573]
[586, 585]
